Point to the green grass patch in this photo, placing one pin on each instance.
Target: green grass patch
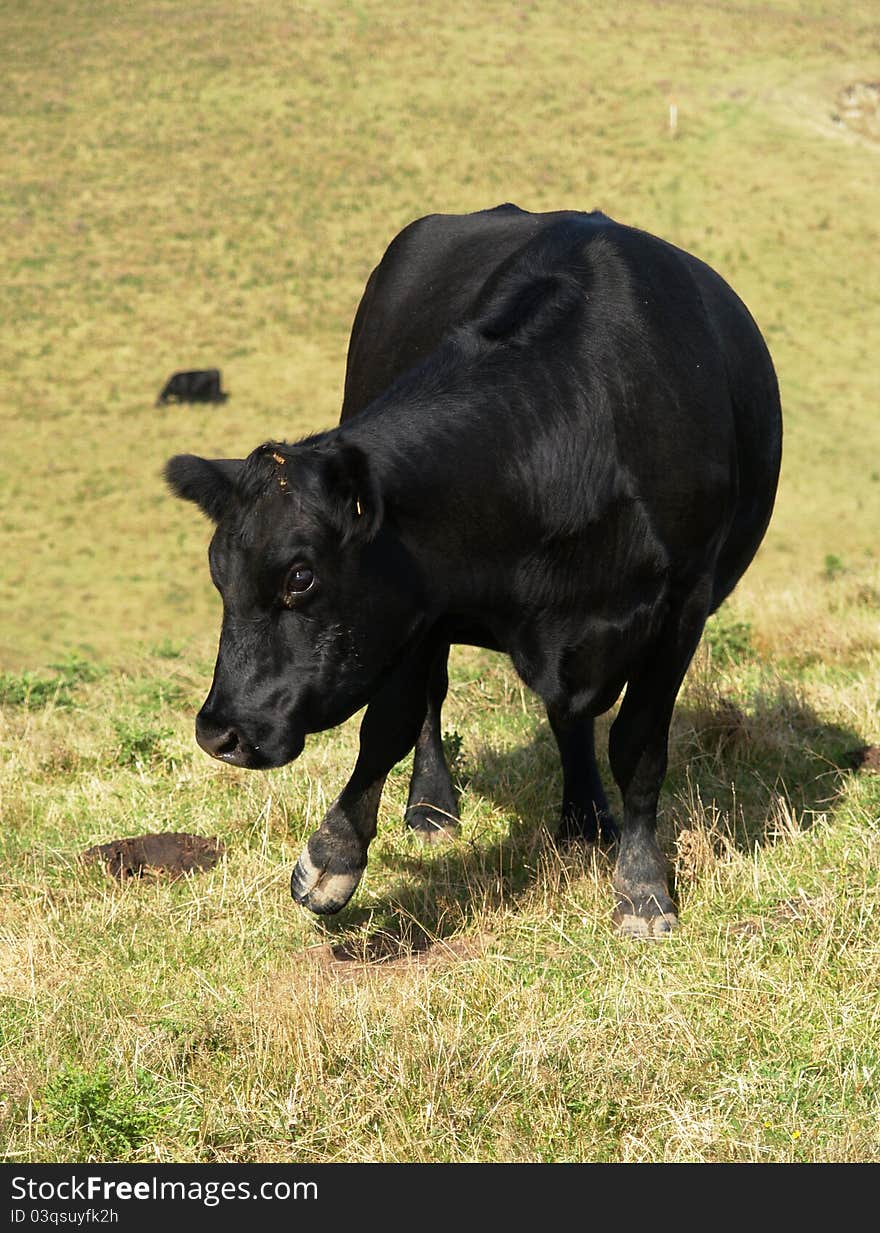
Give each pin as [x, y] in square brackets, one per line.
[32, 689]
[98, 1115]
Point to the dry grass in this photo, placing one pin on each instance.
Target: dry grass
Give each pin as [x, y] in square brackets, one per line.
[472, 1004]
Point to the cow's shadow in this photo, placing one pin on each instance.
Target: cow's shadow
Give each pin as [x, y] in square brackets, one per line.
[739, 778]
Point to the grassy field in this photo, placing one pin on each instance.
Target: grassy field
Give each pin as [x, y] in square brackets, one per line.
[210, 185]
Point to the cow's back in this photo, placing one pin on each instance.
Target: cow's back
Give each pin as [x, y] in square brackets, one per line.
[429, 279]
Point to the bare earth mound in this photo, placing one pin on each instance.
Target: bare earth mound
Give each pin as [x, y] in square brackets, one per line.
[168, 853]
[387, 951]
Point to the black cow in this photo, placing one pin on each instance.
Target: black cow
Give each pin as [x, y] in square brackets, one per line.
[560, 438]
[200, 385]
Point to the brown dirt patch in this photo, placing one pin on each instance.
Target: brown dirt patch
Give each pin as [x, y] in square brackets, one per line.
[858, 108]
[389, 952]
[865, 759]
[801, 908]
[167, 854]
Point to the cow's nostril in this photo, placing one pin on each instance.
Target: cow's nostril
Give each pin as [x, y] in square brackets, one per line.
[220, 742]
[225, 744]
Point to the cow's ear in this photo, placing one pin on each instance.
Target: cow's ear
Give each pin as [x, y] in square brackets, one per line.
[354, 494]
[209, 483]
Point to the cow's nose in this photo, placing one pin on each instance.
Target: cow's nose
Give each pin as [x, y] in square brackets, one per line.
[223, 742]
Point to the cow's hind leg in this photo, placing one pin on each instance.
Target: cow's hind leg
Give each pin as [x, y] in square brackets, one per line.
[432, 809]
[585, 813]
[638, 753]
[330, 868]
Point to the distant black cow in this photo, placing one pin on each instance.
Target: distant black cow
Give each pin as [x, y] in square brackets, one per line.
[202, 385]
[560, 438]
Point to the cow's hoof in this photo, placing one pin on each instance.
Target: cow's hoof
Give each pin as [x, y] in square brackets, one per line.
[649, 918]
[322, 890]
[594, 828]
[431, 825]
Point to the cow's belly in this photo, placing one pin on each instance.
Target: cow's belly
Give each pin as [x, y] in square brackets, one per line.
[470, 632]
[580, 664]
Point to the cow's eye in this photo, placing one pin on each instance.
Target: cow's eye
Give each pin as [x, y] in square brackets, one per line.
[300, 579]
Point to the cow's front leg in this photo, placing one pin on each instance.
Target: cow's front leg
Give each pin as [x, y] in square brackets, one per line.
[330, 868]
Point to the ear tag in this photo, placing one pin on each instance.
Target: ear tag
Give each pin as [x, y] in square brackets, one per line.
[357, 506]
[281, 460]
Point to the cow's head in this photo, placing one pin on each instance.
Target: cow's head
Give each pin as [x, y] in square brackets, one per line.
[319, 595]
